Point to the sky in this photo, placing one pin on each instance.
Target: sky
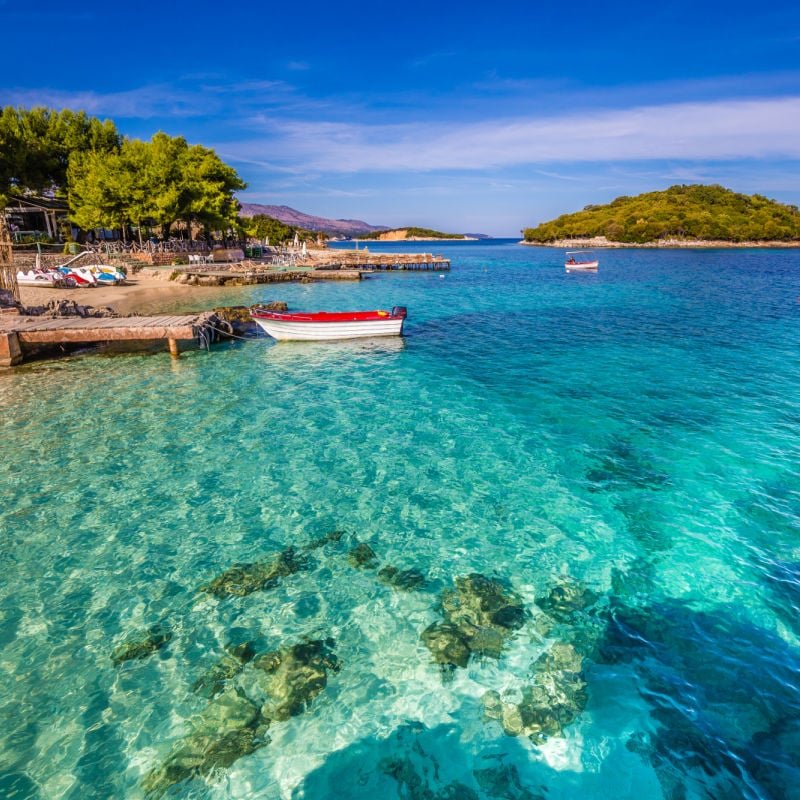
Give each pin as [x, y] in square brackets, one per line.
[480, 118]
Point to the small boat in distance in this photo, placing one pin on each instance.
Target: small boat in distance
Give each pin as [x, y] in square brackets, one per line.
[321, 325]
[581, 260]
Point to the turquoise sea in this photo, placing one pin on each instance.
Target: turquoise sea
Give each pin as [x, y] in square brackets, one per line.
[615, 454]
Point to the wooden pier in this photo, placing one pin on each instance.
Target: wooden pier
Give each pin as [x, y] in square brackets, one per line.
[380, 262]
[20, 334]
[320, 265]
[236, 276]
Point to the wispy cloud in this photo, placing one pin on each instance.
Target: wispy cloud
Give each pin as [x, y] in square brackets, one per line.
[141, 103]
[198, 95]
[729, 129]
[430, 58]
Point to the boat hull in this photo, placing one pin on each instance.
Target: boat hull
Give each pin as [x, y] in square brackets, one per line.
[46, 280]
[582, 265]
[299, 331]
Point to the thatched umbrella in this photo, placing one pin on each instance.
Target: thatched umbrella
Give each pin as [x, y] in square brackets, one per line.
[8, 275]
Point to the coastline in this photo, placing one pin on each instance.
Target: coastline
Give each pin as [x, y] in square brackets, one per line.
[423, 239]
[144, 293]
[596, 242]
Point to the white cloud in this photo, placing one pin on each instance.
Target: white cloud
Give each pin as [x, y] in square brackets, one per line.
[721, 130]
[141, 103]
[194, 96]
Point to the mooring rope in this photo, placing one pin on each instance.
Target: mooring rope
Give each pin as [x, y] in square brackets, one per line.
[232, 335]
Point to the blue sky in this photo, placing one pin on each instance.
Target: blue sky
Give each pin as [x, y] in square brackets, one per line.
[482, 118]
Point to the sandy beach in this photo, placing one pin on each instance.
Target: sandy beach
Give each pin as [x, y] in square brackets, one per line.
[147, 292]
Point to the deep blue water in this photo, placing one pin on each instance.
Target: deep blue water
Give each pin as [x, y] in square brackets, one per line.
[627, 440]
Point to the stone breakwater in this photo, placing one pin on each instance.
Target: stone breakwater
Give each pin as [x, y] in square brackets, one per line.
[601, 241]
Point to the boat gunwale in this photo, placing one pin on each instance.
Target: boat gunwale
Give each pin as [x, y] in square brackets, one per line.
[326, 317]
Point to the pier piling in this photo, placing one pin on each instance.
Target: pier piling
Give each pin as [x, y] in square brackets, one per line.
[10, 351]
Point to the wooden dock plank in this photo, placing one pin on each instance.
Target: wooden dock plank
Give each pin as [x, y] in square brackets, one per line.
[106, 334]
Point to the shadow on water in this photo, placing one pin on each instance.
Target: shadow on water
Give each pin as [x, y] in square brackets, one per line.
[103, 746]
[725, 696]
[18, 786]
[419, 763]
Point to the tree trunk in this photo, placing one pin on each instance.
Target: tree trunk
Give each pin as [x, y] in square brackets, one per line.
[8, 275]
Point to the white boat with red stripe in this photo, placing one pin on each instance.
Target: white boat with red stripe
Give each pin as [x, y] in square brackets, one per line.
[321, 325]
[577, 260]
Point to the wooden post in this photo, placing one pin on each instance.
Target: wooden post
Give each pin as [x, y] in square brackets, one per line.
[8, 275]
[10, 351]
[174, 349]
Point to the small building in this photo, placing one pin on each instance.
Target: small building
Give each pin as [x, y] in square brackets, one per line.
[36, 216]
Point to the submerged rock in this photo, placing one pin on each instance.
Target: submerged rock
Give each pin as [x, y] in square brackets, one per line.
[554, 700]
[447, 644]
[362, 556]
[622, 466]
[214, 680]
[414, 784]
[294, 676]
[480, 616]
[141, 644]
[228, 728]
[481, 602]
[503, 783]
[333, 536]
[565, 599]
[243, 579]
[406, 580]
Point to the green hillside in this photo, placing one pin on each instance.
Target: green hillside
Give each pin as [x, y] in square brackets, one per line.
[686, 212]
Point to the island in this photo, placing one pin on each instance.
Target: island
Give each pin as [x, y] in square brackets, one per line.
[694, 215]
[413, 234]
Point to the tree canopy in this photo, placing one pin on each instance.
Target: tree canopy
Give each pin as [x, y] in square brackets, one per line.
[687, 212]
[36, 146]
[155, 183]
[112, 181]
[261, 226]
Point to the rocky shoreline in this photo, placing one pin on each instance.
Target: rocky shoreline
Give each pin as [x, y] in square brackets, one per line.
[601, 241]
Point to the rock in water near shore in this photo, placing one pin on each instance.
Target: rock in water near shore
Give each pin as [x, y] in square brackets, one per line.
[68, 308]
[555, 698]
[294, 676]
[362, 556]
[565, 599]
[328, 538]
[448, 646]
[480, 614]
[141, 644]
[243, 579]
[406, 580]
[214, 680]
[557, 694]
[227, 729]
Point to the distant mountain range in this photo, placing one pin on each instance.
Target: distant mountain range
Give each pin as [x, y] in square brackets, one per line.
[290, 216]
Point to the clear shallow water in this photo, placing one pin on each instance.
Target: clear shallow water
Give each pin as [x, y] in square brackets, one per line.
[635, 430]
